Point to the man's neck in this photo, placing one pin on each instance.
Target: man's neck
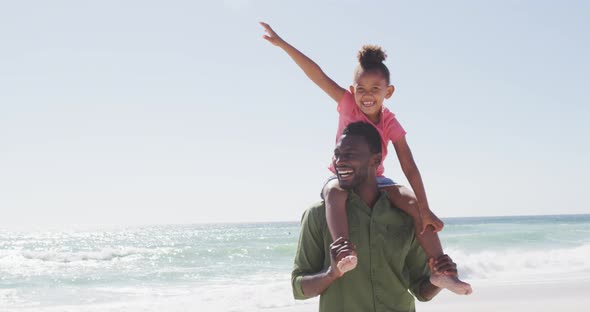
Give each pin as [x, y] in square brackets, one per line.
[368, 192]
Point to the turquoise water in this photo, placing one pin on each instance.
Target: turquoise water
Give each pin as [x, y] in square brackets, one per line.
[522, 232]
[246, 267]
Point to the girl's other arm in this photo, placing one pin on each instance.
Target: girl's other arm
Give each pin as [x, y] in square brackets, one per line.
[309, 67]
[408, 165]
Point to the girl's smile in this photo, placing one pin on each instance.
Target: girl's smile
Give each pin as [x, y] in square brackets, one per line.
[370, 91]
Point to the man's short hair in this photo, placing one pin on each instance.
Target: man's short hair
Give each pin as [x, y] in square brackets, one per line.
[366, 131]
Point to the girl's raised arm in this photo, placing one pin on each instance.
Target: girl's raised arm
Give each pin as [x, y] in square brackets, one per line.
[309, 67]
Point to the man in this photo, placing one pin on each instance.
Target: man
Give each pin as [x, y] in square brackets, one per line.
[390, 259]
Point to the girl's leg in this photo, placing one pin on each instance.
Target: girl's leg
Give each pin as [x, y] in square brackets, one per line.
[335, 199]
[404, 199]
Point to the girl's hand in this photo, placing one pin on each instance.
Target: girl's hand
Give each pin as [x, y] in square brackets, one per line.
[430, 219]
[271, 36]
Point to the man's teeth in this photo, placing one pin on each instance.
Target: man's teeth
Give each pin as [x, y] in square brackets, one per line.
[367, 103]
[344, 173]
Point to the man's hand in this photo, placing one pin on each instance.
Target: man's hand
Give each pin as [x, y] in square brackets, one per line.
[271, 36]
[444, 275]
[443, 265]
[338, 249]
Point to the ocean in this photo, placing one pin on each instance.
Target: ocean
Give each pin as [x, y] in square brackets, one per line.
[246, 267]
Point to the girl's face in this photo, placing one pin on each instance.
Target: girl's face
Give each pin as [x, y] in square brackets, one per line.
[370, 91]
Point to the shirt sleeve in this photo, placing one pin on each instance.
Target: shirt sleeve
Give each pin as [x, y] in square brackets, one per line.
[346, 105]
[417, 266]
[394, 128]
[309, 258]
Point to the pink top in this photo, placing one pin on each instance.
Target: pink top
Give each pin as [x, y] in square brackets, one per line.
[388, 127]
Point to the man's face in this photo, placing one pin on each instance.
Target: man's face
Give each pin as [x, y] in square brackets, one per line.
[352, 160]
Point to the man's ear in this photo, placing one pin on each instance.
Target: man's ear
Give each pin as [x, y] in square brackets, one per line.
[390, 91]
[351, 88]
[377, 158]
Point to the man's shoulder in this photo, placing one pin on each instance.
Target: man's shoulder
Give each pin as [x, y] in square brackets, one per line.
[316, 212]
[397, 217]
[314, 219]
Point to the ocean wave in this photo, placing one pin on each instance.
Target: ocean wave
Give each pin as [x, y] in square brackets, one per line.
[518, 264]
[105, 254]
[269, 293]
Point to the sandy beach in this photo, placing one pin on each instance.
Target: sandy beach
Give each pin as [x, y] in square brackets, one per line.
[541, 297]
[571, 295]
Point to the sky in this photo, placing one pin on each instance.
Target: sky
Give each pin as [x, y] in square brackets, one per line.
[174, 112]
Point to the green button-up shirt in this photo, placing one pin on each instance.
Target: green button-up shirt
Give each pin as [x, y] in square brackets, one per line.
[390, 259]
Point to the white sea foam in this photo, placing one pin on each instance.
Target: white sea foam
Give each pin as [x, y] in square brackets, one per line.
[21, 267]
[264, 294]
[102, 255]
[524, 265]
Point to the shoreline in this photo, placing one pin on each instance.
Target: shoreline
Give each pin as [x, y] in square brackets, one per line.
[542, 296]
[538, 296]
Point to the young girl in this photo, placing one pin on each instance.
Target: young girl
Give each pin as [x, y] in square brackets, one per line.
[364, 102]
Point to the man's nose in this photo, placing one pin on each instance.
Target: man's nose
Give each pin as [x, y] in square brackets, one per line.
[336, 159]
[339, 159]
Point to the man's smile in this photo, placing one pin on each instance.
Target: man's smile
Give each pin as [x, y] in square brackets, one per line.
[344, 172]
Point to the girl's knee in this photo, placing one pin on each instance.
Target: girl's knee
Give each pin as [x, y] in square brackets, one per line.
[333, 191]
[404, 199]
[401, 193]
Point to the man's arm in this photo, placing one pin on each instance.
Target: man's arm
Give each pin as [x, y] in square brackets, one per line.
[313, 285]
[442, 265]
[309, 67]
[309, 278]
[428, 291]
[418, 266]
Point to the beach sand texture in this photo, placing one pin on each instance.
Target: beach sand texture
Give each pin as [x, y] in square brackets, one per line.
[541, 297]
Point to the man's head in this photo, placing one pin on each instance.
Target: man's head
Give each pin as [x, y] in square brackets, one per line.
[357, 155]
